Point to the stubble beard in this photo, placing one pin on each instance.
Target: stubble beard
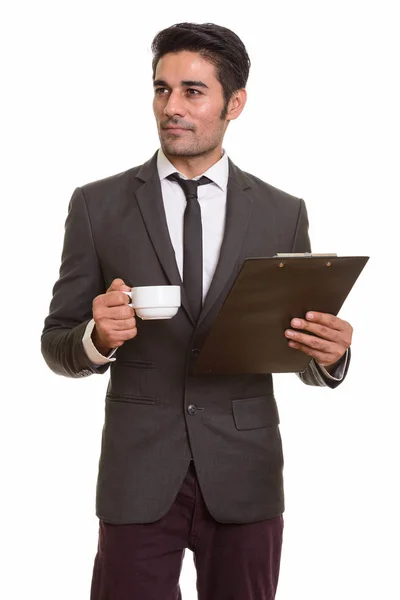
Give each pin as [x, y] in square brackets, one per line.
[191, 148]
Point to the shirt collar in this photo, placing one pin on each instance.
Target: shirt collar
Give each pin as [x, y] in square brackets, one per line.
[218, 173]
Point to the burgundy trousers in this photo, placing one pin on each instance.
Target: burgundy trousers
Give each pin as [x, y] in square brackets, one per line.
[143, 561]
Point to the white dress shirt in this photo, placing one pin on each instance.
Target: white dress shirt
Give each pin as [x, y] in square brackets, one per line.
[212, 200]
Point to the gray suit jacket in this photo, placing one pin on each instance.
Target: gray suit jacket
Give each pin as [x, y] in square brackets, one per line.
[116, 227]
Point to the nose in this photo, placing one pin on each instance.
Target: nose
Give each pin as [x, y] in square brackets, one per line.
[175, 105]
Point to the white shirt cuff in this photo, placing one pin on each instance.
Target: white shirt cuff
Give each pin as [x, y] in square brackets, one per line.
[338, 373]
[92, 353]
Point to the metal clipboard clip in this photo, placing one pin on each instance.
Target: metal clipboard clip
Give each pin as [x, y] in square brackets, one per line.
[304, 255]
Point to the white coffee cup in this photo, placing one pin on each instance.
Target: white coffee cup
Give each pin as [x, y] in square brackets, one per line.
[155, 301]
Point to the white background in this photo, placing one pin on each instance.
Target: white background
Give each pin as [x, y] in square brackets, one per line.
[322, 122]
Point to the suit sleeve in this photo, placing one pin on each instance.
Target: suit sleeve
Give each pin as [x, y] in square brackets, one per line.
[80, 281]
[314, 374]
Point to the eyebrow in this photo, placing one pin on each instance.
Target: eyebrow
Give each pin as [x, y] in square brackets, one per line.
[184, 83]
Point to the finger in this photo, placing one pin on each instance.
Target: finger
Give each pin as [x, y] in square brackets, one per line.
[321, 331]
[118, 285]
[115, 299]
[118, 313]
[311, 341]
[327, 320]
[107, 317]
[124, 324]
[103, 313]
[127, 335]
[323, 358]
[117, 338]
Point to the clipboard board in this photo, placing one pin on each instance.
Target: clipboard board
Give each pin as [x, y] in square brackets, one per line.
[248, 333]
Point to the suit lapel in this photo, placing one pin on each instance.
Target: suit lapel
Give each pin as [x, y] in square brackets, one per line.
[238, 209]
[149, 197]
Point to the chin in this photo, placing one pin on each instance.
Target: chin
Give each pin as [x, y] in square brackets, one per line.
[177, 150]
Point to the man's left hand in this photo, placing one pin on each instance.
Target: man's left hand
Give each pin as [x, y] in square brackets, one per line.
[327, 340]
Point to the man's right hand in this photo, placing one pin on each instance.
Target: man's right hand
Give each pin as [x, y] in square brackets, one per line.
[114, 318]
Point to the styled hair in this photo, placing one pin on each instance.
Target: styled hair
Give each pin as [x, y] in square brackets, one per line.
[219, 45]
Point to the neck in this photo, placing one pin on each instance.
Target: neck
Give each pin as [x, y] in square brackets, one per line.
[192, 166]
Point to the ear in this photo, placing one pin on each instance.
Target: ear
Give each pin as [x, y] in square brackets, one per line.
[236, 104]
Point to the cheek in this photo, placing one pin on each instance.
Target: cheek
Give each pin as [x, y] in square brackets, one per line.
[158, 108]
[155, 108]
[207, 109]
[208, 115]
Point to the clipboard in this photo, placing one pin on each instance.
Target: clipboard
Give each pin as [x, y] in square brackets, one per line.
[248, 333]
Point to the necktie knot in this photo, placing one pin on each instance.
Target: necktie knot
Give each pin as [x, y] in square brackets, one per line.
[189, 186]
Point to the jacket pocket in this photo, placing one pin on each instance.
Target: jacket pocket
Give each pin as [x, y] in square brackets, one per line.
[253, 413]
[132, 379]
[139, 364]
[111, 397]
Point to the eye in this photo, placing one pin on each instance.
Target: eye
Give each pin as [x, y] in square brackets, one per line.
[159, 91]
[193, 92]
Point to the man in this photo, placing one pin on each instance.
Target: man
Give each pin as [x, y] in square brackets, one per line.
[186, 461]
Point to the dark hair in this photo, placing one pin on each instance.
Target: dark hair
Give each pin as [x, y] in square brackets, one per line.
[219, 45]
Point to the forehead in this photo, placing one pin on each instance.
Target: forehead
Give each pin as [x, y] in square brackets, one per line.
[175, 67]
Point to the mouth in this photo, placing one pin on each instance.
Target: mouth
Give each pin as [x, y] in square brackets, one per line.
[174, 129]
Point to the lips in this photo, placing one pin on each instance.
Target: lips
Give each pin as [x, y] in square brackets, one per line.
[175, 129]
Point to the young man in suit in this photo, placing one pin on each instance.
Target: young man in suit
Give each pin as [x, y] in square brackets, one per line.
[186, 461]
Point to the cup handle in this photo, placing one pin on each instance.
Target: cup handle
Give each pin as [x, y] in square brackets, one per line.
[130, 296]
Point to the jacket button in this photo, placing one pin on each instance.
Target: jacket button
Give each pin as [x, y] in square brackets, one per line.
[192, 409]
[194, 353]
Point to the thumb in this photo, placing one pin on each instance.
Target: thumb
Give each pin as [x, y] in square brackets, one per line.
[118, 285]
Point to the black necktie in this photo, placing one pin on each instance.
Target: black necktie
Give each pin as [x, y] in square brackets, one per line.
[192, 243]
